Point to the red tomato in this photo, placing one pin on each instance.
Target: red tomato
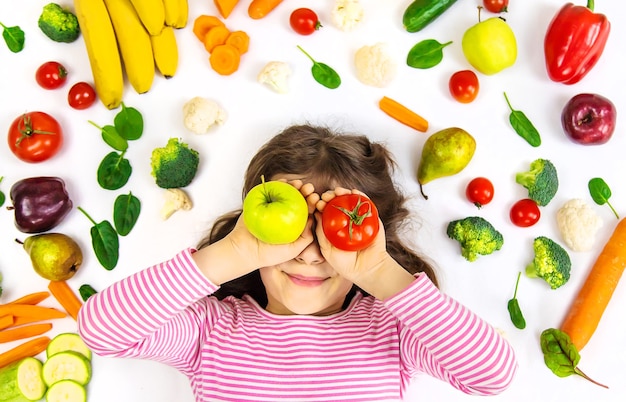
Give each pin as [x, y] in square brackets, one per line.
[525, 212]
[35, 137]
[479, 191]
[51, 75]
[81, 95]
[304, 21]
[496, 6]
[350, 222]
[464, 86]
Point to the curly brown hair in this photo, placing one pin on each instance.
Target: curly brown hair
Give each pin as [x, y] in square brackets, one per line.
[327, 158]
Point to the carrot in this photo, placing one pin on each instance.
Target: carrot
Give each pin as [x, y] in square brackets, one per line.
[26, 331]
[240, 40]
[589, 304]
[31, 298]
[203, 24]
[22, 320]
[225, 59]
[215, 37]
[403, 114]
[66, 297]
[30, 310]
[225, 7]
[6, 321]
[260, 8]
[29, 348]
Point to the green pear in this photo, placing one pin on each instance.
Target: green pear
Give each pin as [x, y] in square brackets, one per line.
[55, 256]
[445, 153]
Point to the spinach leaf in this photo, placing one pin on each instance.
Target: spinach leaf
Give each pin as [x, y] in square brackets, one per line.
[129, 123]
[426, 54]
[14, 38]
[2, 196]
[112, 137]
[601, 192]
[515, 312]
[86, 291]
[126, 209]
[114, 171]
[105, 242]
[323, 74]
[560, 355]
[523, 126]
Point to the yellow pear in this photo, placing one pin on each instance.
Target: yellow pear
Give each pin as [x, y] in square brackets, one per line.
[54, 256]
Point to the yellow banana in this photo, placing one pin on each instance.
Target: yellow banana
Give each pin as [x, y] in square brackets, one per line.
[151, 13]
[171, 12]
[165, 51]
[183, 14]
[104, 58]
[134, 44]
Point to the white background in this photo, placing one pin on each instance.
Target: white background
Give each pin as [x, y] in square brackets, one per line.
[255, 113]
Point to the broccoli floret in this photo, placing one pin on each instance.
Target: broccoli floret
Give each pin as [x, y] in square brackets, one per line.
[58, 24]
[550, 263]
[174, 165]
[476, 236]
[541, 181]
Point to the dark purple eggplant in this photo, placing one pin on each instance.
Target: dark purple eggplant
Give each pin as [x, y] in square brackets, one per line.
[40, 203]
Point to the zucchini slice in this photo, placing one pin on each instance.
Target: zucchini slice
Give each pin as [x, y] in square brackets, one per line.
[68, 365]
[66, 391]
[22, 380]
[68, 341]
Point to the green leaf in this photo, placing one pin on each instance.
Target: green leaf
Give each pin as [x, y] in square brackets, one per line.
[14, 38]
[426, 54]
[515, 312]
[114, 171]
[2, 196]
[323, 73]
[601, 192]
[129, 123]
[112, 137]
[86, 291]
[523, 126]
[126, 211]
[105, 242]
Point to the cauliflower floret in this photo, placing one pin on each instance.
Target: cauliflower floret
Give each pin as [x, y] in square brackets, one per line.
[275, 74]
[578, 224]
[374, 65]
[200, 114]
[347, 14]
[176, 199]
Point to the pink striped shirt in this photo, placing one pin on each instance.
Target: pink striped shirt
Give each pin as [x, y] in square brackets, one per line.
[234, 350]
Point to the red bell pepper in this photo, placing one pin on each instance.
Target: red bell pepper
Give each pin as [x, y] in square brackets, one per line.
[574, 42]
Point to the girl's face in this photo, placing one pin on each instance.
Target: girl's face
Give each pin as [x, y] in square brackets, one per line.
[305, 285]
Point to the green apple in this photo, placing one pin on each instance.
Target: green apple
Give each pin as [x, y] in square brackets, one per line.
[490, 46]
[275, 212]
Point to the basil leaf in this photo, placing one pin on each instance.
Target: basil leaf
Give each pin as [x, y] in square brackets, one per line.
[129, 123]
[426, 54]
[14, 38]
[323, 74]
[601, 192]
[523, 126]
[114, 171]
[104, 241]
[126, 209]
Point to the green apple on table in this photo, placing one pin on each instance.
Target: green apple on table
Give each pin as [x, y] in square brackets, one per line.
[490, 45]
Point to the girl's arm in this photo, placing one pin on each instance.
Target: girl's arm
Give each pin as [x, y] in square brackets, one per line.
[448, 341]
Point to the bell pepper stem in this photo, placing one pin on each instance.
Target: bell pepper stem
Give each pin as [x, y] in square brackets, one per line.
[590, 4]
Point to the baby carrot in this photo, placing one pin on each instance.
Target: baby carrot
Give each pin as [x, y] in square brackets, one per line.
[66, 297]
[30, 310]
[403, 114]
[26, 331]
[6, 321]
[589, 304]
[31, 298]
[260, 8]
[27, 349]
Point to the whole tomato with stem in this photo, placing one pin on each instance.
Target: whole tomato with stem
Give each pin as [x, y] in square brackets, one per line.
[464, 86]
[479, 191]
[304, 21]
[350, 222]
[496, 6]
[81, 95]
[525, 213]
[51, 75]
[35, 137]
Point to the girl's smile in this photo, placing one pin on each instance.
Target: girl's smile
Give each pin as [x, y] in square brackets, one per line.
[307, 281]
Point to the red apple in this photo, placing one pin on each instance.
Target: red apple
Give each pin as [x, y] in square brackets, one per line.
[589, 119]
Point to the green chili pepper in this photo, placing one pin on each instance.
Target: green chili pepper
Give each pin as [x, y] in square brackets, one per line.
[523, 126]
[514, 310]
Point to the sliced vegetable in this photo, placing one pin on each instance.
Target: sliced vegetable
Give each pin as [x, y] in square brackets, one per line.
[589, 305]
[203, 24]
[6, 321]
[426, 54]
[260, 8]
[24, 331]
[601, 192]
[515, 312]
[523, 126]
[68, 365]
[225, 7]
[215, 36]
[13, 37]
[225, 59]
[26, 349]
[68, 341]
[240, 40]
[66, 297]
[66, 390]
[403, 114]
[323, 73]
[21, 380]
[32, 298]
[33, 311]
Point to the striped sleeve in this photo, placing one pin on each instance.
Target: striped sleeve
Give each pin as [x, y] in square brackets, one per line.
[148, 314]
[446, 340]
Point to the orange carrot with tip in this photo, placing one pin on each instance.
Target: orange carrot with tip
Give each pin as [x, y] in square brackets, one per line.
[26, 331]
[260, 8]
[31, 298]
[403, 114]
[6, 321]
[29, 348]
[31, 310]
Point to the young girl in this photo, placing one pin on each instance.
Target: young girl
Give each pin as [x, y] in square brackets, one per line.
[303, 321]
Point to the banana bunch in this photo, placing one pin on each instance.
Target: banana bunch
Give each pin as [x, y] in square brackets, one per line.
[135, 37]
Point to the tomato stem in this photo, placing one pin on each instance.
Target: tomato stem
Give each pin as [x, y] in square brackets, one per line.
[355, 217]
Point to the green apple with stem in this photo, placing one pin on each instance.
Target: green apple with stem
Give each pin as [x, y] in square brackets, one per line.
[275, 212]
[490, 45]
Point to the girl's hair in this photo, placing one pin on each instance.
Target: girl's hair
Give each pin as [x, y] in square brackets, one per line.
[328, 159]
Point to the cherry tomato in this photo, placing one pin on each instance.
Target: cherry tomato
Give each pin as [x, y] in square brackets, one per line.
[51, 75]
[35, 137]
[464, 86]
[479, 191]
[525, 212]
[304, 21]
[81, 95]
[496, 6]
[350, 222]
